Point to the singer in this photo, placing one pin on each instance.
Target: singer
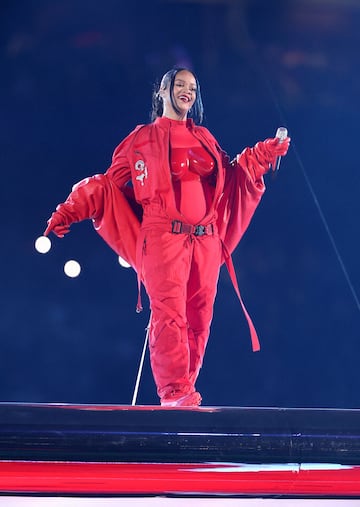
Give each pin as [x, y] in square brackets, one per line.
[175, 206]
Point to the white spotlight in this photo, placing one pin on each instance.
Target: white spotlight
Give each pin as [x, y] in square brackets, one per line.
[72, 269]
[42, 244]
[123, 262]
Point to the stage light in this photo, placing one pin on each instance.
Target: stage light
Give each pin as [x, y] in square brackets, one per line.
[72, 268]
[42, 244]
[123, 262]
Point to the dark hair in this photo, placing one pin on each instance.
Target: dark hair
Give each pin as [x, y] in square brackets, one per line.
[197, 110]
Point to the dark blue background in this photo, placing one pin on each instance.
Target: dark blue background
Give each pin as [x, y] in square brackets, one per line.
[76, 77]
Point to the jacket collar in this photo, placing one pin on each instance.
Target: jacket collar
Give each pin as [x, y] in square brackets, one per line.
[165, 122]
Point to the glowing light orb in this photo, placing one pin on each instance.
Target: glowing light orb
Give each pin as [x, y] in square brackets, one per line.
[123, 262]
[42, 244]
[72, 269]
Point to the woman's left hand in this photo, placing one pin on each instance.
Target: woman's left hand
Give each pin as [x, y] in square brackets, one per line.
[276, 148]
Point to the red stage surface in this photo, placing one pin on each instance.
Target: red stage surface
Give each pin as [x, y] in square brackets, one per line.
[54, 449]
[170, 478]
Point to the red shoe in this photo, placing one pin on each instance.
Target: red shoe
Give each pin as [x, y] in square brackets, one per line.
[188, 400]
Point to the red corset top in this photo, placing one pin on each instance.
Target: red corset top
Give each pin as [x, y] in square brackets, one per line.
[195, 160]
[191, 165]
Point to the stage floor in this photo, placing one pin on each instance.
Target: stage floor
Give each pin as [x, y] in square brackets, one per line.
[111, 450]
[11, 501]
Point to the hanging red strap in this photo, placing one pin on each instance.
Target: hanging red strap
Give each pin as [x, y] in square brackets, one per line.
[139, 256]
[230, 267]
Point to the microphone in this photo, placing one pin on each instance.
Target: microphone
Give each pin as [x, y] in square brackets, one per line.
[281, 134]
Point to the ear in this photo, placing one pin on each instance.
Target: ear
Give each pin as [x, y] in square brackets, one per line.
[161, 93]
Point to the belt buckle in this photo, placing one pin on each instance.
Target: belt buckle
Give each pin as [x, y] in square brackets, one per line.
[176, 226]
[200, 230]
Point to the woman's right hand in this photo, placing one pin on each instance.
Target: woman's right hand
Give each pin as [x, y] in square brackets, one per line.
[85, 201]
[57, 225]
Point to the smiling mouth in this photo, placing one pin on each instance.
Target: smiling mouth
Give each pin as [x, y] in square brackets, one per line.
[185, 99]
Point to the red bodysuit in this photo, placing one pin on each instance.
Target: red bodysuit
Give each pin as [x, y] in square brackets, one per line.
[191, 169]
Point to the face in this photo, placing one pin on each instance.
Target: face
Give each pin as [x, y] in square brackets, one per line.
[184, 96]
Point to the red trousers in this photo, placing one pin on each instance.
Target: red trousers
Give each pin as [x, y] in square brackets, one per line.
[180, 274]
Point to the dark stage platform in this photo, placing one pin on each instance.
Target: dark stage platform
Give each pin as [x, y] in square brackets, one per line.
[145, 450]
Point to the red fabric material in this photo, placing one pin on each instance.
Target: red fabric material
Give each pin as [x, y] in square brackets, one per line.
[191, 165]
[179, 272]
[237, 192]
[115, 214]
[263, 156]
[233, 203]
[188, 157]
[192, 192]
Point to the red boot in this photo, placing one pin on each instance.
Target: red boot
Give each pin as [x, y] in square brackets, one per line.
[187, 400]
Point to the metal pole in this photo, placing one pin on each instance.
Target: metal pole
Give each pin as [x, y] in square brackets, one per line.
[137, 383]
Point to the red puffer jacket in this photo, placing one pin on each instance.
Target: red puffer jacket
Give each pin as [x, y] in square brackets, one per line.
[142, 158]
[118, 208]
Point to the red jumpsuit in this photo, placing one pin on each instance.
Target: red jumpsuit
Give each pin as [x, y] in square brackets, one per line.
[175, 227]
[180, 271]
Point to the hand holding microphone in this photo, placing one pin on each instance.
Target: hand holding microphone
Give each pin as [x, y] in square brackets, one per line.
[265, 155]
[282, 136]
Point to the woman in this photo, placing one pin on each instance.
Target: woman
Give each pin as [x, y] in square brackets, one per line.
[178, 220]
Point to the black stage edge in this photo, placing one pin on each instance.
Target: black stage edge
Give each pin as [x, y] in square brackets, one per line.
[147, 434]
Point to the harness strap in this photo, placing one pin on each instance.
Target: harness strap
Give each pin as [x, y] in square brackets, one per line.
[230, 267]
[139, 255]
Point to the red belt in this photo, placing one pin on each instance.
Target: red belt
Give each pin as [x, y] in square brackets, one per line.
[178, 227]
